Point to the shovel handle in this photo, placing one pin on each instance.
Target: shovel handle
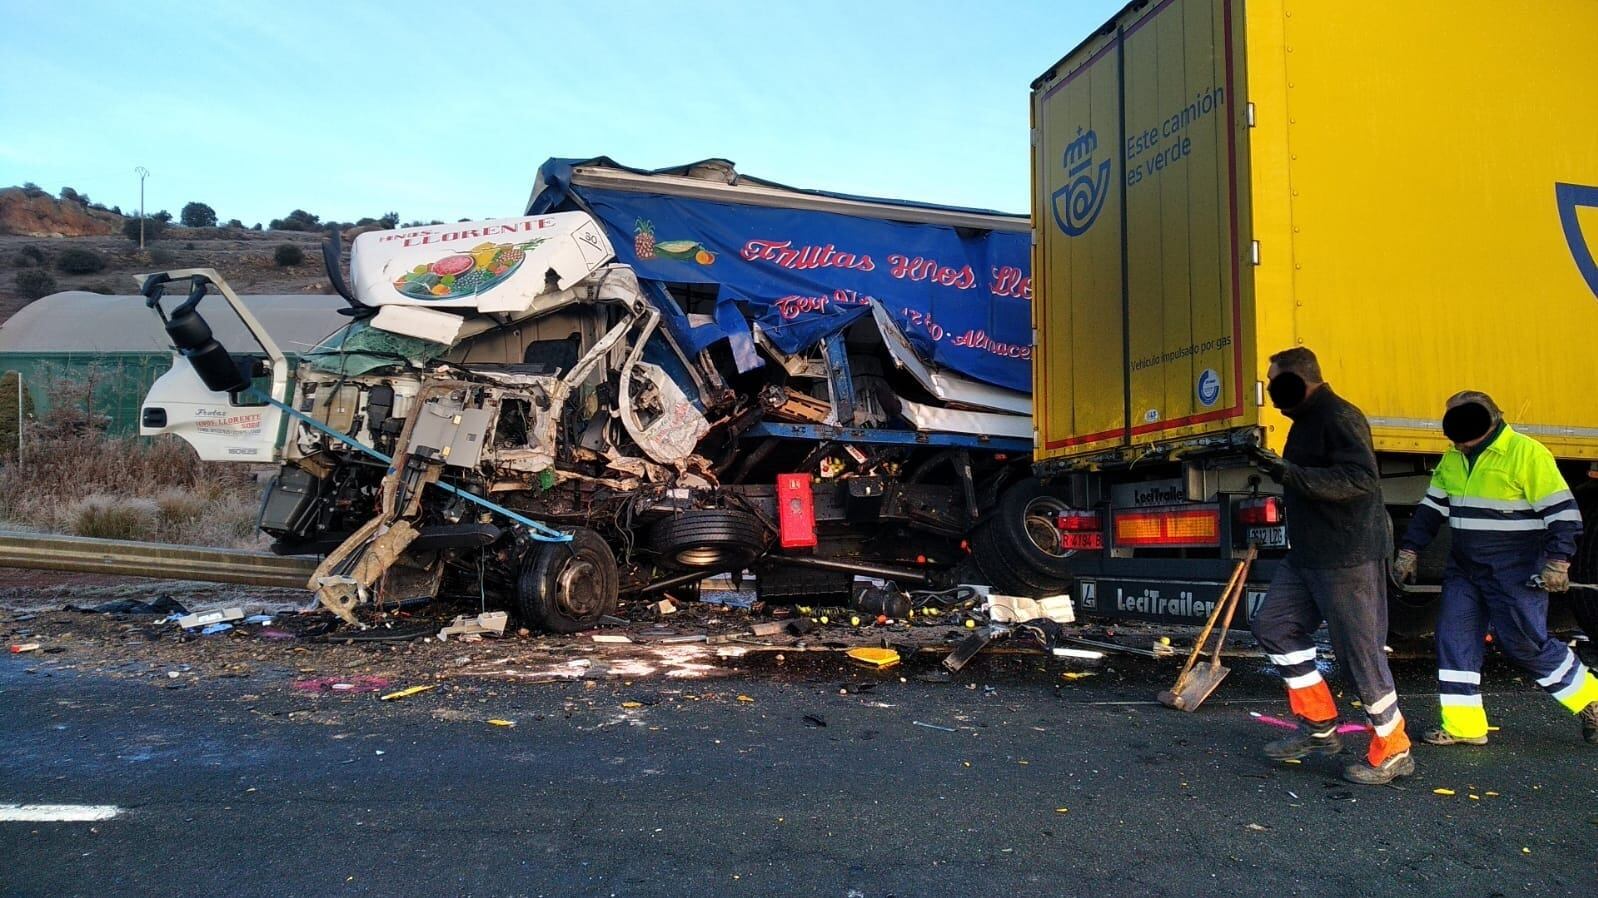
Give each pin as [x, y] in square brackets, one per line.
[1209, 625]
[1234, 599]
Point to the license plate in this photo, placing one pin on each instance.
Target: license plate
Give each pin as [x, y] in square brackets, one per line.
[1079, 541]
[1268, 537]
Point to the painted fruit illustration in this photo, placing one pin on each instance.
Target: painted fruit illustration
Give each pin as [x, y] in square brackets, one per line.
[684, 250]
[463, 274]
[644, 239]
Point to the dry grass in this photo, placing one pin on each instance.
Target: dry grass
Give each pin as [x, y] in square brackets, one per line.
[74, 479]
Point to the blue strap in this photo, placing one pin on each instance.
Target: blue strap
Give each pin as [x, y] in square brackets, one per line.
[541, 532]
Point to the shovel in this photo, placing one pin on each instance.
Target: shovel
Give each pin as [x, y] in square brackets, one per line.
[1194, 684]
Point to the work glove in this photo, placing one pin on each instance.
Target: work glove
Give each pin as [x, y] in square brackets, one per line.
[1404, 565]
[1274, 466]
[1556, 575]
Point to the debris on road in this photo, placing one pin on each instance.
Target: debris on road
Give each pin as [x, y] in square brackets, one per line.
[19, 648]
[933, 726]
[490, 623]
[205, 618]
[407, 692]
[163, 604]
[875, 658]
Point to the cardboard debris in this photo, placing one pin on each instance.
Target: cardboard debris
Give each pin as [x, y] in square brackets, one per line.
[610, 637]
[1002, 609]
[491, 623]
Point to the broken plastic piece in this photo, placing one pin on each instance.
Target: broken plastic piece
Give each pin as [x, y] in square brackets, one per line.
[202, 618]
[879, 659]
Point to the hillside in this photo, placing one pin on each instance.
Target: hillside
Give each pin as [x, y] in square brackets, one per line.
[243, 257]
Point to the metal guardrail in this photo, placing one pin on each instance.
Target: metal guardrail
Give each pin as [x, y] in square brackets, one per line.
[83, 555]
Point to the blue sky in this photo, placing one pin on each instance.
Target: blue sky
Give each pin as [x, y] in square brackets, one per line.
[445, 110]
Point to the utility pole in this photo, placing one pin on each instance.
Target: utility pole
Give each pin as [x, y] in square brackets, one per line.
[143, 173]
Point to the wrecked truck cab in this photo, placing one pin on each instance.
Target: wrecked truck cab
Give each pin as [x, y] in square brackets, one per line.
[532, 409]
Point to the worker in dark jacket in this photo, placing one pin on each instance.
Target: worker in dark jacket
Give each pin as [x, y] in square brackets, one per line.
[1335, 571]
[1515, 526]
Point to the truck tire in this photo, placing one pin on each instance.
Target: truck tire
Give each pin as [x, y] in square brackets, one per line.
[1022, 524]
[708, 539]
[568, 587]
[1001, 565]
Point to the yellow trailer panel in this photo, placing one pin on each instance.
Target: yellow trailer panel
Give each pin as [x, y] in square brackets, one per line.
[1419, 148]
[1404, 188]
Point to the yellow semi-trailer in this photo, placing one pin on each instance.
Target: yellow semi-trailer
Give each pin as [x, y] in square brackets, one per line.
[1405, 188]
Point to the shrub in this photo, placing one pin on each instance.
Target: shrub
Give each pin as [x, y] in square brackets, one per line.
[163, 217]
[163, 256]
[30, 256]
[9, 410]
[198, 215]
[34, 283]
[113, 517]
[153, 229]
[68, 195]
[235, 223]
[101, 288]
[287, 254]
[33, 190]
[298, 220]
[79, 260]
[189, 245]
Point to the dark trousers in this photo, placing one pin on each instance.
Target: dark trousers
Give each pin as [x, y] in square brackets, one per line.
[1352, 602]
[1489, 590]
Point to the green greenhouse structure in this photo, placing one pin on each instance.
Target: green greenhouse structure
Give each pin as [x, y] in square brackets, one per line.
[114, 348]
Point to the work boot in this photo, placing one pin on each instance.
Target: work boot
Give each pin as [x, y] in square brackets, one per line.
[1441, 736]
[1321, 741]
[1589, 723]
[1391, 769]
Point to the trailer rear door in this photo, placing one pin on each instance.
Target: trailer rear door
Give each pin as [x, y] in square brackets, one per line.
[1139, 212]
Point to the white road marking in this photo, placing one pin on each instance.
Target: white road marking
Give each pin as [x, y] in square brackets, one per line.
[57, 813]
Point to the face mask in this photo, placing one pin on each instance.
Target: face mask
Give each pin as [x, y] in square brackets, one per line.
[1466, 422]
[1287, 390]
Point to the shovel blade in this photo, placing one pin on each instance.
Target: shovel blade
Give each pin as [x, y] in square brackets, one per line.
[1196, 687]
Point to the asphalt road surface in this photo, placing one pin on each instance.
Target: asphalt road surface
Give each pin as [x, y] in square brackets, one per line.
[1026, 783]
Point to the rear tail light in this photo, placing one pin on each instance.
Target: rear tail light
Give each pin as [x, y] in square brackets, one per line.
[1180, 527]
[1265, 511]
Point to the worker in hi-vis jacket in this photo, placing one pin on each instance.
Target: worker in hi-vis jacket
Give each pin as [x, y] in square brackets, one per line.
[1514, 526]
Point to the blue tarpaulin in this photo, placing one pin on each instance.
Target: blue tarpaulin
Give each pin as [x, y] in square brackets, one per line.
[962, 297]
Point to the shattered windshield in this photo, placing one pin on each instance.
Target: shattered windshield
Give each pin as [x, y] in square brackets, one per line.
[359, 348]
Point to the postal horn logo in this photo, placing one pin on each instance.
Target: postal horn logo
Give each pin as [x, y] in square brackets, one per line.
[1078, 203]
[1569, 197]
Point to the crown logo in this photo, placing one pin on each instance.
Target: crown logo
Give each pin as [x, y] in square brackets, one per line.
[1079, 153]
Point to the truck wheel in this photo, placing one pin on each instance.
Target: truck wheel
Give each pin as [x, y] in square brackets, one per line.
[567, 587]
[1004, 570]
[1411, 615]
[717, 538]
[1023, 524]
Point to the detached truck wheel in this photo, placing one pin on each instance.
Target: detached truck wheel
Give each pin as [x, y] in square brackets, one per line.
[720, 539]
[567, 587]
